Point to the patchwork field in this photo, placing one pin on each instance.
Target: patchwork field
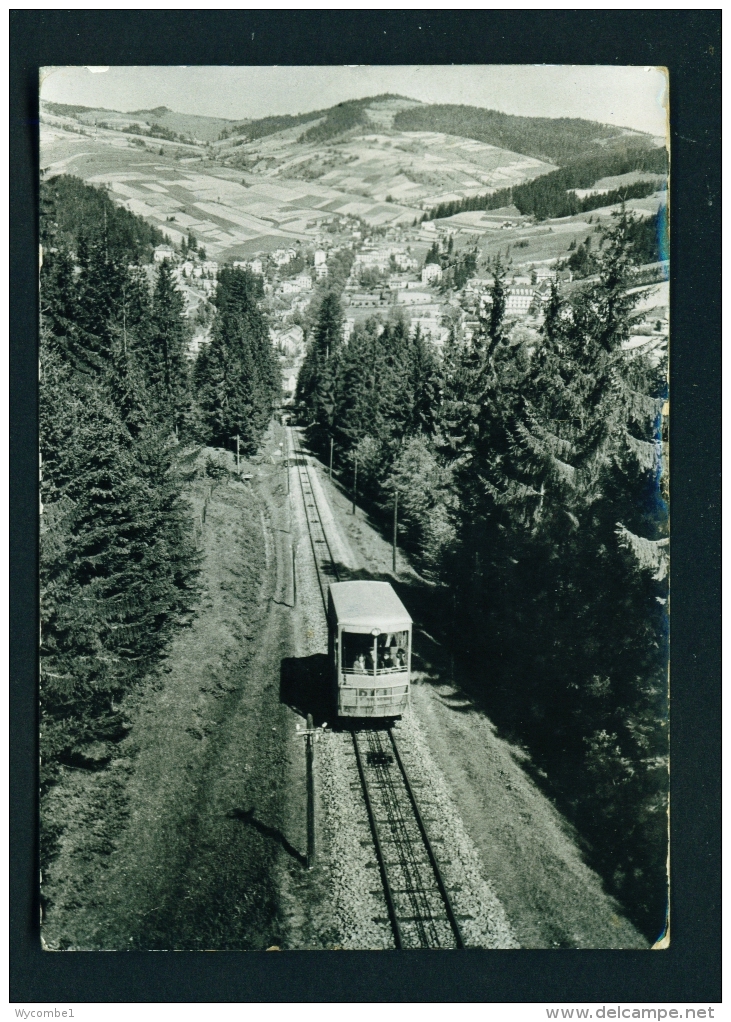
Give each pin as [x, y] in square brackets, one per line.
[414, 169]
[539, 243]
[231, 211]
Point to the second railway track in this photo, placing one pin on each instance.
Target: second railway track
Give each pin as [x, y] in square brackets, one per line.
[325, 565]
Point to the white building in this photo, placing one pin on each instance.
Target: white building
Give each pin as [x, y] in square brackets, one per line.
[290, 342]
[431, 272]
[163, 252]
[283, 256]
[289, 384]
[405, 262]
[518, 300]
[377, 259]
[303, 282]
[320, 258]
[321, 271]
[255, 265]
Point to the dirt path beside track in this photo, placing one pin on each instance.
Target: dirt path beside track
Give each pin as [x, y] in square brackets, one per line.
[188, 839]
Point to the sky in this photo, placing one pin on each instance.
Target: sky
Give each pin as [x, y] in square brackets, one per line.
[633, 97]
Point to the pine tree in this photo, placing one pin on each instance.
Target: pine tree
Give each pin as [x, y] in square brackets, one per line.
[164, 352]
[562, 554]
[236, 376]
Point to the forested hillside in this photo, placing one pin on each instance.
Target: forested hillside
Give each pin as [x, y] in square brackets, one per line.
[552, 194]
[554, 139]
[528, 477]
[121, 414]
[335, 120]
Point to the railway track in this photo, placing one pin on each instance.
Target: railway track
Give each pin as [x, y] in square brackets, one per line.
[419, 908]
[417, 900]
[324, 561]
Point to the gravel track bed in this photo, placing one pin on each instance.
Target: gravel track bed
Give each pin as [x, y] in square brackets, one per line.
[358, 900]
[481, 917]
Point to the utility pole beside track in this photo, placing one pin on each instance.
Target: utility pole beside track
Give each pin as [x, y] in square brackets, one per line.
[355, 482]
[395, 528]
[311, 734]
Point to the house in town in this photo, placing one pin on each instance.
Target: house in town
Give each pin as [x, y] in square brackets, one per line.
[432, 272]
[163, 252]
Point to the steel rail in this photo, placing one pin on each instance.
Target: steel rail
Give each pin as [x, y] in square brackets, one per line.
[427, 844]
[396, 820]
[390, 904]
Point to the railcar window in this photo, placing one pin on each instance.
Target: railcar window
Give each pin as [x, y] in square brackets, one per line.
[388, 653]
[357, 653]
[392, 650]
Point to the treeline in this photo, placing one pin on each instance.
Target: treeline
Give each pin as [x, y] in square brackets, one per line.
[121, 414]
[72, 212]
[337, 119]
[648, 243]
[552, 194]
[554, 139]
[457, 268]
[528, 474]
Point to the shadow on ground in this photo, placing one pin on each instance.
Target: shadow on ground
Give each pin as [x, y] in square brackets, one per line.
[247, 816]
[305, 685]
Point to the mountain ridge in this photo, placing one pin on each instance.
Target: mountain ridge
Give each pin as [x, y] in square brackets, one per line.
[558, 140]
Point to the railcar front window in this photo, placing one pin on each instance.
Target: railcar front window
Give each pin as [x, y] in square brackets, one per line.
[386, 653]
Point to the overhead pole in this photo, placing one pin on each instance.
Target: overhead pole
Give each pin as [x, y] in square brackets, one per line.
[294, 575]
[238, 462]
[331, 459]
[355, 482]
[395, 528]
[310, 754]
[311, 734]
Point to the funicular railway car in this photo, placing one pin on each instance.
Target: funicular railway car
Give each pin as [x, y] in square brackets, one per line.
[370, 649]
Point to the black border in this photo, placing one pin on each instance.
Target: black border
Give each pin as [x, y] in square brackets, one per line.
[688, 43]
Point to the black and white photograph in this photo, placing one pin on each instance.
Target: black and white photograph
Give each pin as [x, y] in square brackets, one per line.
[354, 507]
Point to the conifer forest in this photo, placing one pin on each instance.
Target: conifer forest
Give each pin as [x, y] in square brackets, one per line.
[120, 408]
[530, 487]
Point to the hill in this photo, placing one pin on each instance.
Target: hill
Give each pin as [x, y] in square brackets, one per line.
[551, 139]
[334, 120]
[184, 126]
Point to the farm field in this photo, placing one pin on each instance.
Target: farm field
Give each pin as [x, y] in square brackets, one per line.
[547, 241]
[239, 198]
[412, 169]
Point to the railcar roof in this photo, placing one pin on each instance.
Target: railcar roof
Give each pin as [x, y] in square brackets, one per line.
[368, 604]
